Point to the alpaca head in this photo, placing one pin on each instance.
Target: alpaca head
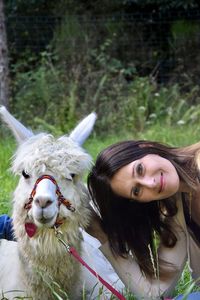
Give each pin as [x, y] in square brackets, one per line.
[49, 191]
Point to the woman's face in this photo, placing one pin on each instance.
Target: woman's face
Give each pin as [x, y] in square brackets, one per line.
[150, 178]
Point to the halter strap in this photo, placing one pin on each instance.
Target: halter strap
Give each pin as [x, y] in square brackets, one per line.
[61, 198]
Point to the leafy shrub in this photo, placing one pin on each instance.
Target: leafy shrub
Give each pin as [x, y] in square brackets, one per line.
[42, 98]
[79, 73]
[148, 105]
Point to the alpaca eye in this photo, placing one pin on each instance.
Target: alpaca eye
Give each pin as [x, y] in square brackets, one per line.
[71, 177]
[25, 174]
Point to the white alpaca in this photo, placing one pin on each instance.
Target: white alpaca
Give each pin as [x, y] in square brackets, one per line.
[37, 263]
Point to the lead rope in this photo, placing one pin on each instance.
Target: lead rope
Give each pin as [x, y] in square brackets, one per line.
[75, 254]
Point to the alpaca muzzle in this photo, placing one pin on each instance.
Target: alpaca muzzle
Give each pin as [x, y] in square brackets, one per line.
[61, 198]
[30, 227]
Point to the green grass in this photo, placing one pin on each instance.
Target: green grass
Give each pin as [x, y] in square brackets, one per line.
[7, 180]
[176, 136]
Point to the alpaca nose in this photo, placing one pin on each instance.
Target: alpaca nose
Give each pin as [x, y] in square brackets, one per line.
[43, 201]
[45, 193]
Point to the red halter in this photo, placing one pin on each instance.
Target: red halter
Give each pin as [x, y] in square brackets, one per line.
[61, 199]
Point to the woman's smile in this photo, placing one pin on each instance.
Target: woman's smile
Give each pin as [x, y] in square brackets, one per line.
[150, 178]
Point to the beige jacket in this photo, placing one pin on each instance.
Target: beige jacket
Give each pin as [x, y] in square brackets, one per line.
[185, 249]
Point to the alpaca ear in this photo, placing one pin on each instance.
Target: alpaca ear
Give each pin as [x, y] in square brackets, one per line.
[20, 132]
[83, 129]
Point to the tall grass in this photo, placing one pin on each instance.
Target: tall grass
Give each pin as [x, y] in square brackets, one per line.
[7, 180]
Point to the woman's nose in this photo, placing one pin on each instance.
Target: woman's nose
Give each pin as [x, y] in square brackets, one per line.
[148, 182]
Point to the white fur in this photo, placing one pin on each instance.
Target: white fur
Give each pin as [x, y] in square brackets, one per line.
[41, 260]
[82, 130]
[20, 131]
[30, 266]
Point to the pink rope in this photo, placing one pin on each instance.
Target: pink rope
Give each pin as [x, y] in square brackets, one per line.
[73, 251]
[75, 254]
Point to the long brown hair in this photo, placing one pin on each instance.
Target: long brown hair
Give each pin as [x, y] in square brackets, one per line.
[130, 226]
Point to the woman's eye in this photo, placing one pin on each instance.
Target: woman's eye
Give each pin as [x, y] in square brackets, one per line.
[139, 169]
[136, 191]
[26, 175]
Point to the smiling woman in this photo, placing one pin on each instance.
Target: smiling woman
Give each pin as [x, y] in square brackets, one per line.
[143, 190]
[150, 178]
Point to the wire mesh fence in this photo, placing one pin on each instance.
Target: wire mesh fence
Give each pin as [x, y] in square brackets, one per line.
[163, 46]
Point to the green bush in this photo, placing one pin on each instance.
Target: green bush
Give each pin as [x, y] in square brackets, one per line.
[74, 78]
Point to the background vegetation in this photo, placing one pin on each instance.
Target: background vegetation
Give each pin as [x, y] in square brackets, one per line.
[136, 63]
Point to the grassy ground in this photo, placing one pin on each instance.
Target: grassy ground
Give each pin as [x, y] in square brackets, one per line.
[175, 136]
[7, 181]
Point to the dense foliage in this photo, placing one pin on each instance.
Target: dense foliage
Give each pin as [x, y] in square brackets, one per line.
[134, 62]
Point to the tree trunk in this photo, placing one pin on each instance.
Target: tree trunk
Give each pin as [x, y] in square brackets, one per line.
[4, 74]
